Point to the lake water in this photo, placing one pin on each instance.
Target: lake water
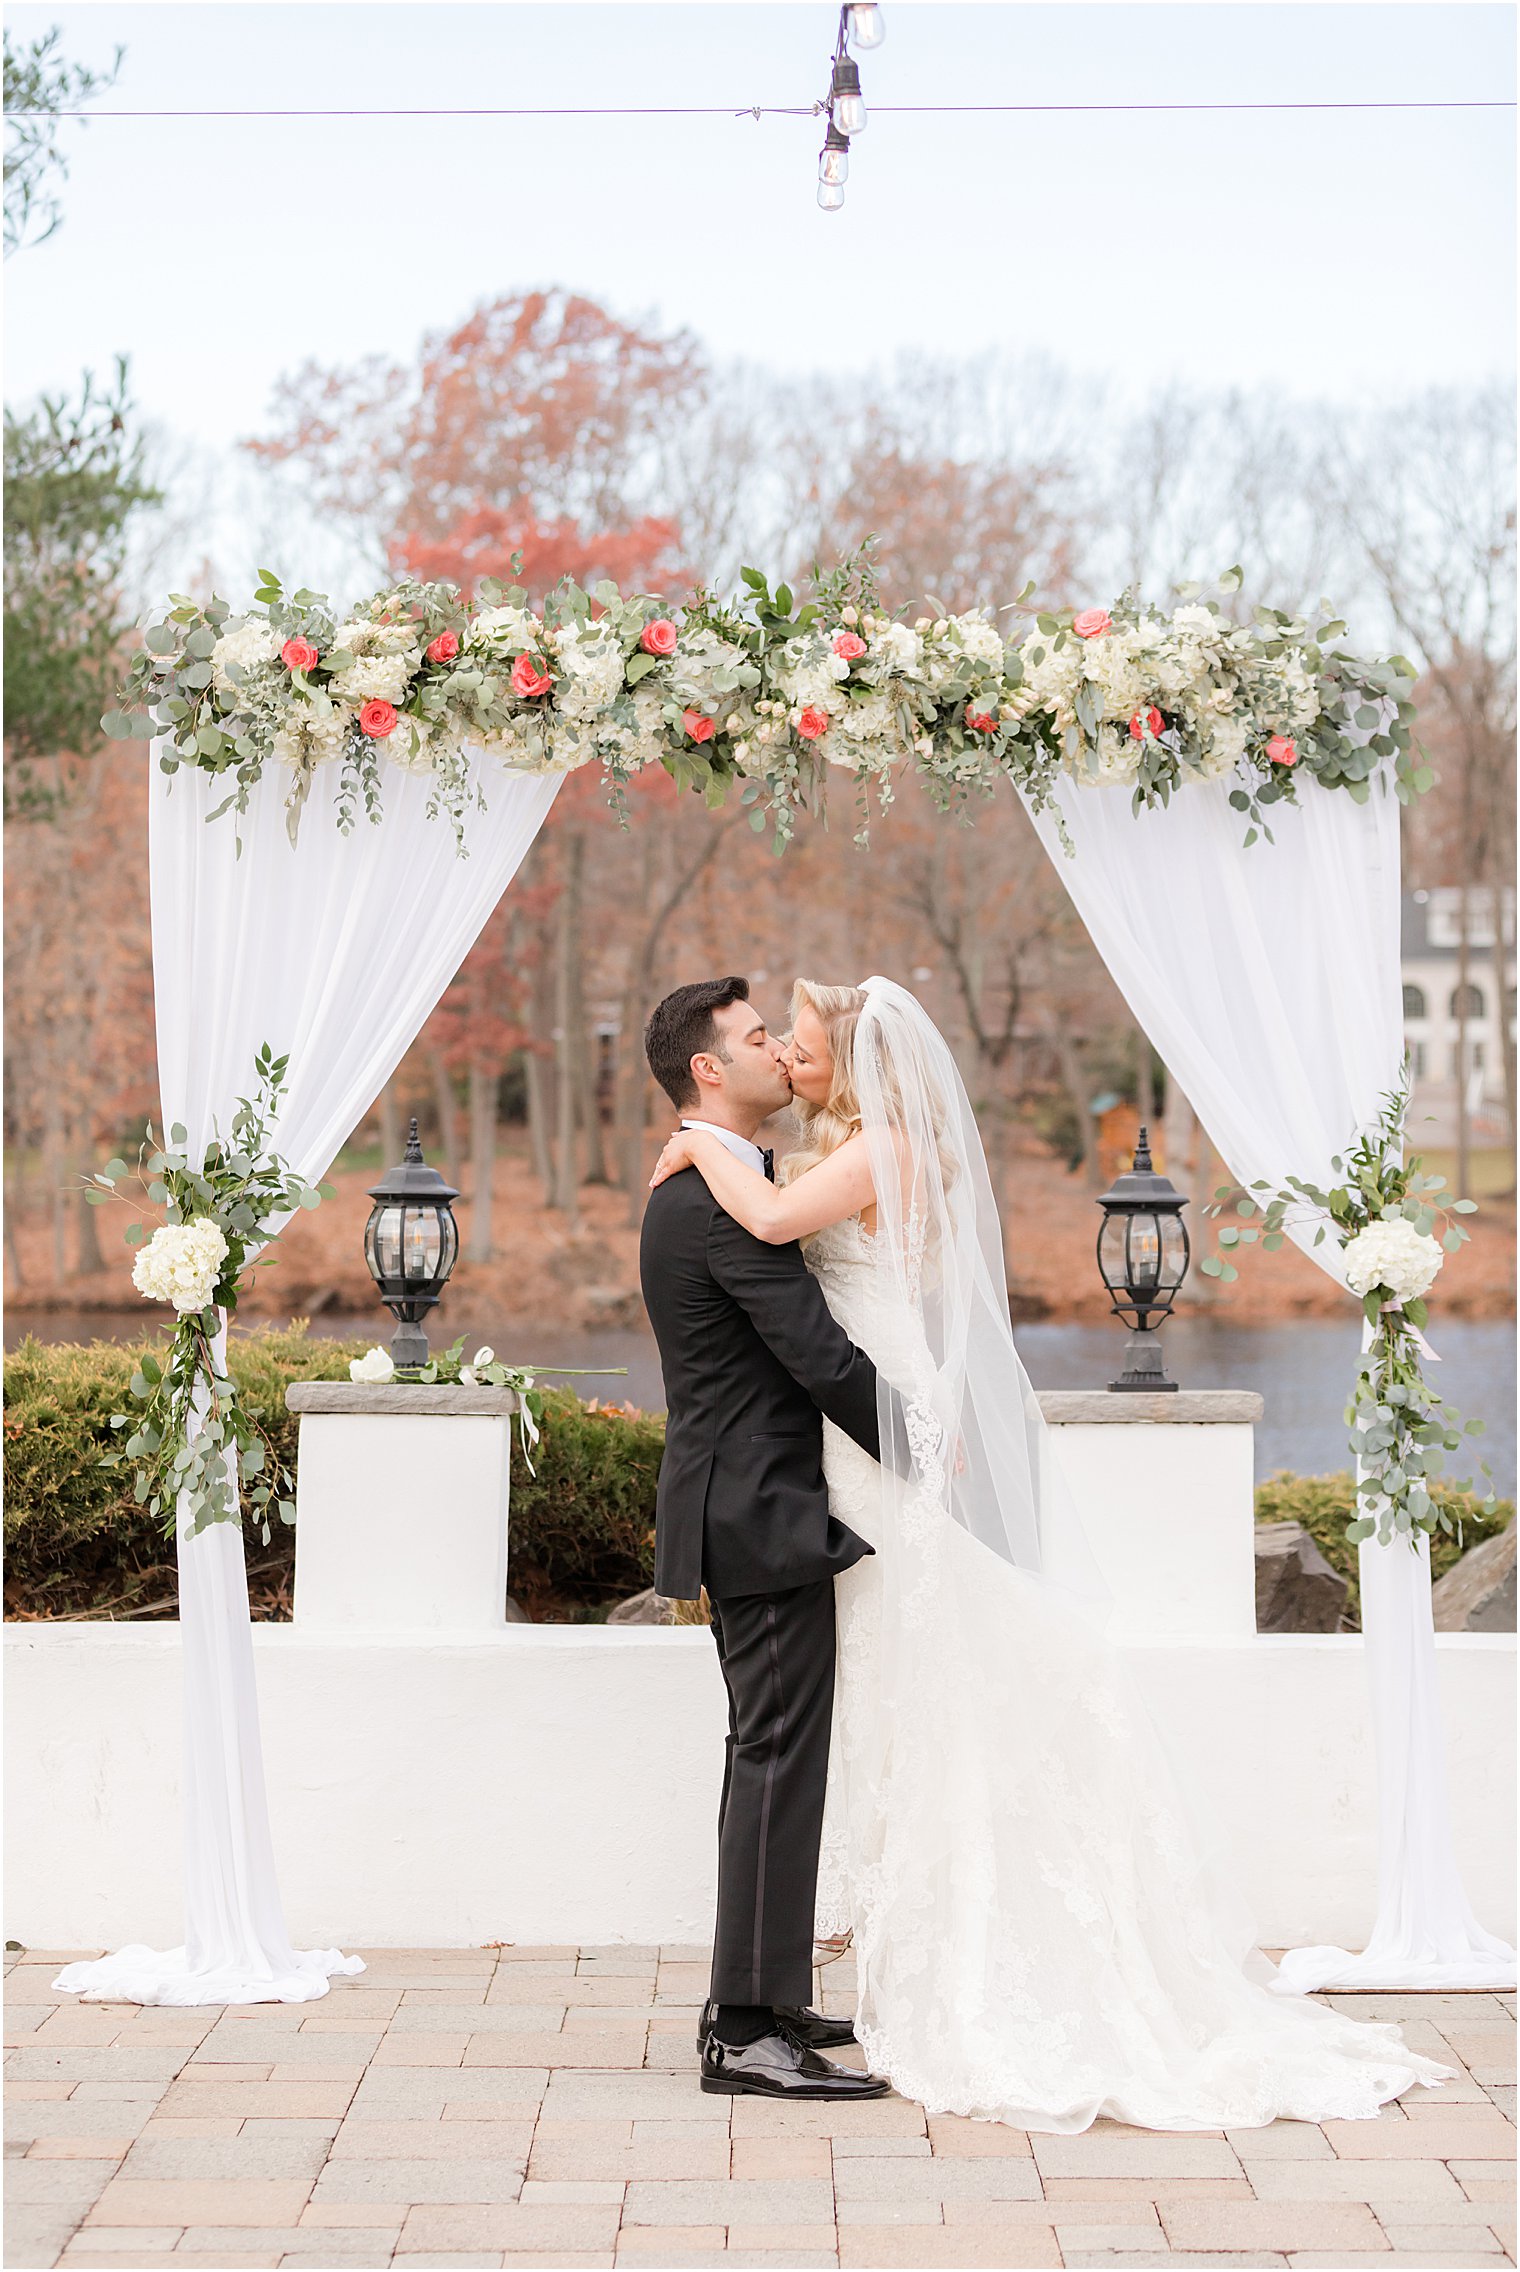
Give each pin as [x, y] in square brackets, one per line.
[1302, 1370]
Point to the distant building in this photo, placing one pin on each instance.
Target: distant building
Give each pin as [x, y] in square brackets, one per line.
[1447, 1063]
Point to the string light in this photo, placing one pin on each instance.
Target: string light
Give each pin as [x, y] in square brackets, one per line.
[847, 105]
[860, 25]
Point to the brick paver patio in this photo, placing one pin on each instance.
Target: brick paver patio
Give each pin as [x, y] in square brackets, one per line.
[538, 2106]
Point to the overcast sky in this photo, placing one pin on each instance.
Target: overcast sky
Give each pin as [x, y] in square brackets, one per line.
[1352, 254]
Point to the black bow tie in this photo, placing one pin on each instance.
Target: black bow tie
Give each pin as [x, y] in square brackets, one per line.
[768, 1162]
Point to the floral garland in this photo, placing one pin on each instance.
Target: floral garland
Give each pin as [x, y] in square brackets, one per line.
[1385, 1213]
[765, 694]
[216, 1214]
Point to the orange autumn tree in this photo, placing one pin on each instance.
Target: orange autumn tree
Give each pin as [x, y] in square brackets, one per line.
[537, 425]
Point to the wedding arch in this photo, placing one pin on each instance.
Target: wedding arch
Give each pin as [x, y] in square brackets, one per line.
[316, 773]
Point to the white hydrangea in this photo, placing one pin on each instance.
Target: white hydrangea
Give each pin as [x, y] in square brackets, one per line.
[901, 648]
[246, 647]
[314, 734]
[386, 659]
[705, 667]
[593, 666]
[1118, 757]
[1199, 623]
[375, 1365]
[859, 730]
[1393, 1255]
[978, 638]
[1223, 747]
[181, 1264]
[413, 745]
[509, 628]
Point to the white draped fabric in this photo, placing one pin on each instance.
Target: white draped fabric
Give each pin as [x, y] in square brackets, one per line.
[334, 951]
[1268, 979]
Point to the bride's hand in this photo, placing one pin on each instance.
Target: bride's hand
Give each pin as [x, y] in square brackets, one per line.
[676, 1155]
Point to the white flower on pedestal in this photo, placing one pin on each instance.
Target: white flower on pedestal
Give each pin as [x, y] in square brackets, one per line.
[375, 1365]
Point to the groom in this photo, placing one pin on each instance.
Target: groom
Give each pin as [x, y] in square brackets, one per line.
[751, 1359]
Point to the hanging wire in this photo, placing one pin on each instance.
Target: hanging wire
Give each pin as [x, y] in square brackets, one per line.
[774, 110]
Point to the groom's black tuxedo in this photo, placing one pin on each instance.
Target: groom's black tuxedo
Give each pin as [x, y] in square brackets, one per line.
[751, 1359]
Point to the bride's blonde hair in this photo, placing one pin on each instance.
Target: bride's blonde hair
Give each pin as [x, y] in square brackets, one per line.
[824, 1127]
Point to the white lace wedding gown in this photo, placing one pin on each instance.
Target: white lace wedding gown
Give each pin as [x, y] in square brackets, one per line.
[1036, 1940]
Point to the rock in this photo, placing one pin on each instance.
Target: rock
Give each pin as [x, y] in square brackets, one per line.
[647, 1608]
[515, 1614]
[1296, 1589]
[612, 1306]
[1477, 1595]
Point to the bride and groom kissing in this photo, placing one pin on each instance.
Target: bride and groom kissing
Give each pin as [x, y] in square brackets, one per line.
[932, 1744]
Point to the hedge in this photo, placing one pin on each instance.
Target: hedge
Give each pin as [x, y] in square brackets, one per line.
[1324, 1505]
[77, 1543]
[582, 1527]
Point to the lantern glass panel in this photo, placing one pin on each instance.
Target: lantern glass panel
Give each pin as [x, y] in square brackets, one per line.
[1174, 1252]
[1144, 1253]
[1111, 1253]
[385, 1241]
[422, 1243]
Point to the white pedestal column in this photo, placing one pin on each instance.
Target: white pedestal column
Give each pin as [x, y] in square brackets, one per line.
[1165, 1489]
[401, 1506]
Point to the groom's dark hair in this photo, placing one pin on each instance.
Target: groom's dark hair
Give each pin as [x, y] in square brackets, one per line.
[682, 1027]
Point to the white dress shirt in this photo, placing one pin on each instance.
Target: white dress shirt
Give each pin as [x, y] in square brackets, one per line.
[740, 1146]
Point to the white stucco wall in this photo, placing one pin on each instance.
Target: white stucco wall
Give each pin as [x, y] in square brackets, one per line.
[559, 1783]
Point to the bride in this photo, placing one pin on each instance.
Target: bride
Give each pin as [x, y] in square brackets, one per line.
[1038, 1941]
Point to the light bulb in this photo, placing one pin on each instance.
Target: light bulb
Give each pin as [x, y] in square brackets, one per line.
[831, 195]
[834, 157]
[864, 24]
[847, 109]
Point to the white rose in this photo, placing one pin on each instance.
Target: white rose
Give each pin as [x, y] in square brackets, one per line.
[375, 1365]
[1394, 1255]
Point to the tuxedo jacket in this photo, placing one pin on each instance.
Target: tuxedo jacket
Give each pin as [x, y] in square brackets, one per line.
[752, 1359]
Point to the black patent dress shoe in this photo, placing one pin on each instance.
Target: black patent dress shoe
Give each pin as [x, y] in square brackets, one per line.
[780, 2066]
[816, 2029]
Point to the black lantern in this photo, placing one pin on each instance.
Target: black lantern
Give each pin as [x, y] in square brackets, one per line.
[411, 1243]
[1143, 1255]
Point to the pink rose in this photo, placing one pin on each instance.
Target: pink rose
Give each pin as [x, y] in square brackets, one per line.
[1092, 623]
[528, 680]
[659, 637]
[698, 725]
[850, 645]
[377, 719]
[444, 648]
[1151, 723]
[299, 655]
[980, 723]
[813, 724]
[1281, 751]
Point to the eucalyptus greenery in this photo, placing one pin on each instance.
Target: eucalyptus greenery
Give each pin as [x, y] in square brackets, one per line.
[768, 695]
[1399, 1425]
[191, 1439]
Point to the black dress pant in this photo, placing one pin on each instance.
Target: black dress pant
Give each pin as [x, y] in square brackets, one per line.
[777, 1655]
